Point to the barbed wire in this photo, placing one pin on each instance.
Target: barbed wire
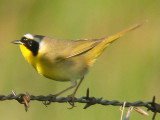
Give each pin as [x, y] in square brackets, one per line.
[26, 98]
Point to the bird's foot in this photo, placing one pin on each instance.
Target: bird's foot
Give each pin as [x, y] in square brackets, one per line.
[51, 97]
[72, 96]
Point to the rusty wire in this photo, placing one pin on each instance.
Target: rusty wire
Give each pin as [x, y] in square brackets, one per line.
[26, 98]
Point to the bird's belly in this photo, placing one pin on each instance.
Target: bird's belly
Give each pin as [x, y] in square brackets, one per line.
[67, 70]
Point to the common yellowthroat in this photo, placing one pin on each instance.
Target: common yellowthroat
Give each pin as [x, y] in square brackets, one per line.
[64, 60]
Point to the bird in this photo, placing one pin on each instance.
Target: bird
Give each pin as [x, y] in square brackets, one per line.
[65, 60]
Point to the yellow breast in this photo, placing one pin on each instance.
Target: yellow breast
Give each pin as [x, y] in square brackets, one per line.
[33, 60]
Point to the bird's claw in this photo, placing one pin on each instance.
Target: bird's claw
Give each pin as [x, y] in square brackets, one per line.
[52, 97]
[72, 100]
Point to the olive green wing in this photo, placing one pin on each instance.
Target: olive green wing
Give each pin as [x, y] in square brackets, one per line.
[82, 46]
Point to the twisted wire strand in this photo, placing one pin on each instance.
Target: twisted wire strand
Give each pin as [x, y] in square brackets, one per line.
[26, 98]
[80, 100]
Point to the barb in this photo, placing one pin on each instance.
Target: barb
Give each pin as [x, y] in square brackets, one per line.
[26, 98]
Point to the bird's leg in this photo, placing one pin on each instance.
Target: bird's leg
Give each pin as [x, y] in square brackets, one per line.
[73, 94]
[56, 95]
[63, 91]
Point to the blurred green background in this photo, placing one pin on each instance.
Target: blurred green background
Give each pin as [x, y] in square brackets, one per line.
[128, 70]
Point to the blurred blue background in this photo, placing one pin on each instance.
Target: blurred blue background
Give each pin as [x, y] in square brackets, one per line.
[128, 70]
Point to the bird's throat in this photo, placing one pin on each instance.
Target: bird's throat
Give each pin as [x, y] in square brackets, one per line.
[28, 55]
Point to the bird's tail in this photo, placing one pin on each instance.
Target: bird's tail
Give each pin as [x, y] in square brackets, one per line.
[98, 49]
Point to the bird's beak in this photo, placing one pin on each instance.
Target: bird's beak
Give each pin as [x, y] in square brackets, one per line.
[17, 42]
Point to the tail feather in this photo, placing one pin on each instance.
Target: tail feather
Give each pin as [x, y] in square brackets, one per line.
[98, 49]
[118, 35]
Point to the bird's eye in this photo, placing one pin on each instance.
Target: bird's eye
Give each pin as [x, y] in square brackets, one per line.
[30, 42]
[24, 39]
